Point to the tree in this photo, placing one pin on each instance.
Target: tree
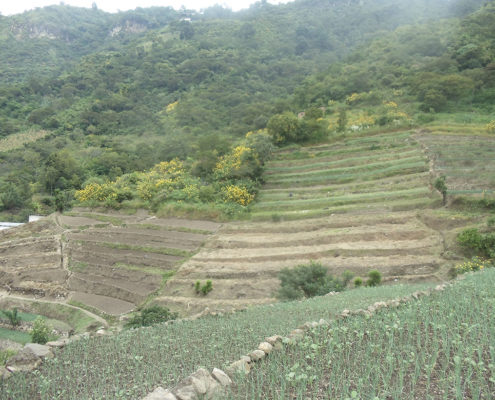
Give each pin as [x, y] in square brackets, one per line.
[284, 128]
[441, 186]
[342, 120]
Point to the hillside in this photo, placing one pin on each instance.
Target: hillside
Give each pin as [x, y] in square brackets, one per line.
[356, 203]
[161, 87]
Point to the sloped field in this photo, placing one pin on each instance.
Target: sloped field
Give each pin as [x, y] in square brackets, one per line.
[117, 263]
[108, 261]
[467, 161]
[353, 205]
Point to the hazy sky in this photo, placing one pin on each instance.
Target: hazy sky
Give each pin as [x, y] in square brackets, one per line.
[8, 7]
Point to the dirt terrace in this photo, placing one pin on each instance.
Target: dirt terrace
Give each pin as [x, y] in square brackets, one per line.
[108, 261]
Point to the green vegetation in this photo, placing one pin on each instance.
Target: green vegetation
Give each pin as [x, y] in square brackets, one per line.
[16, 336]
[89, 98]
[203, 289]
[13, 316]
[438, 344]
[482, 243]
[374, 278]
[132, 370]
[309, 281]
[151, 316]
[40, 333]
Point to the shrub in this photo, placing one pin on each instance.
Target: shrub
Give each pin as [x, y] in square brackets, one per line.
[441, 186]
[207, 288]
[490, 127]
[307, 281]
[41, 331]
[150, 316]
[13, 316]
[475, 264]
[197, 287]
[358, 282]
[374, 278]
[481, 243]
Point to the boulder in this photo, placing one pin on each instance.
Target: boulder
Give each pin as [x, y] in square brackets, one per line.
[198, 385]
[323, 322]
[160, 394]
[39, 350]
[274, 339]
[257, 355]
[221, 377]
[25, 360]
[265, 347]
[239, 367]
[58, 343]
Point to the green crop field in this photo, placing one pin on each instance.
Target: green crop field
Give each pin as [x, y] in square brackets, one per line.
[384, 171]
[439, 347]
[161, 355]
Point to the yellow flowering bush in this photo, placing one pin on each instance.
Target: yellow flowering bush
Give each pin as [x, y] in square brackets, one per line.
[96, 192]
[237, 194]
[231, 163]
[475, 264]
[353, 98]
[490, 127]
[390, 105]
[172, 106]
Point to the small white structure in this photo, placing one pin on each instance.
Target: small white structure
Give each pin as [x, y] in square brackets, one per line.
[7, 225]
[34, 218]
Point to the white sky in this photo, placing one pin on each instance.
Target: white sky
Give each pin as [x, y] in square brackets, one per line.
[9, 7]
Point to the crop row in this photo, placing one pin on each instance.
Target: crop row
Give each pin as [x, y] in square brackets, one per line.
[161, 355]
[438, 347]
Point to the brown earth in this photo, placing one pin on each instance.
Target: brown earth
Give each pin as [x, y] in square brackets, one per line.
[110, 261]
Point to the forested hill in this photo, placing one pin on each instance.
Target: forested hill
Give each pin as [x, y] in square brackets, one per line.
[89, 95]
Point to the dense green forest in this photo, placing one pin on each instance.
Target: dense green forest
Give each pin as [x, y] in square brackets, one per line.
[89, 98]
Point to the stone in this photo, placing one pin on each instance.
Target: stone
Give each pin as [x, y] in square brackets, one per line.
[239, 367]
[371, 309]
[257, 355]
[39, 350]
[345, 313]
[265, 347]
[25, 360]
[323, 322]
[221, 377]
[273, 339]
[246, 359]
[160, 394]
[58, 343]
[101, 332]
[197, 385]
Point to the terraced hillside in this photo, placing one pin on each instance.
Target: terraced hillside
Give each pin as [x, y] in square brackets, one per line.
[111, 262]
[358, 204]
[31, 260]
[468, 161]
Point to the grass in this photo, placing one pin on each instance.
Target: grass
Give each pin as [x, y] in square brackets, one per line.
[345, 170]
[439, 347]
[103, 218]
[170, 228]
[395, 205]
[16, 336]
[111, 319]
[161, 355]
[147, 249]
[333, 201]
